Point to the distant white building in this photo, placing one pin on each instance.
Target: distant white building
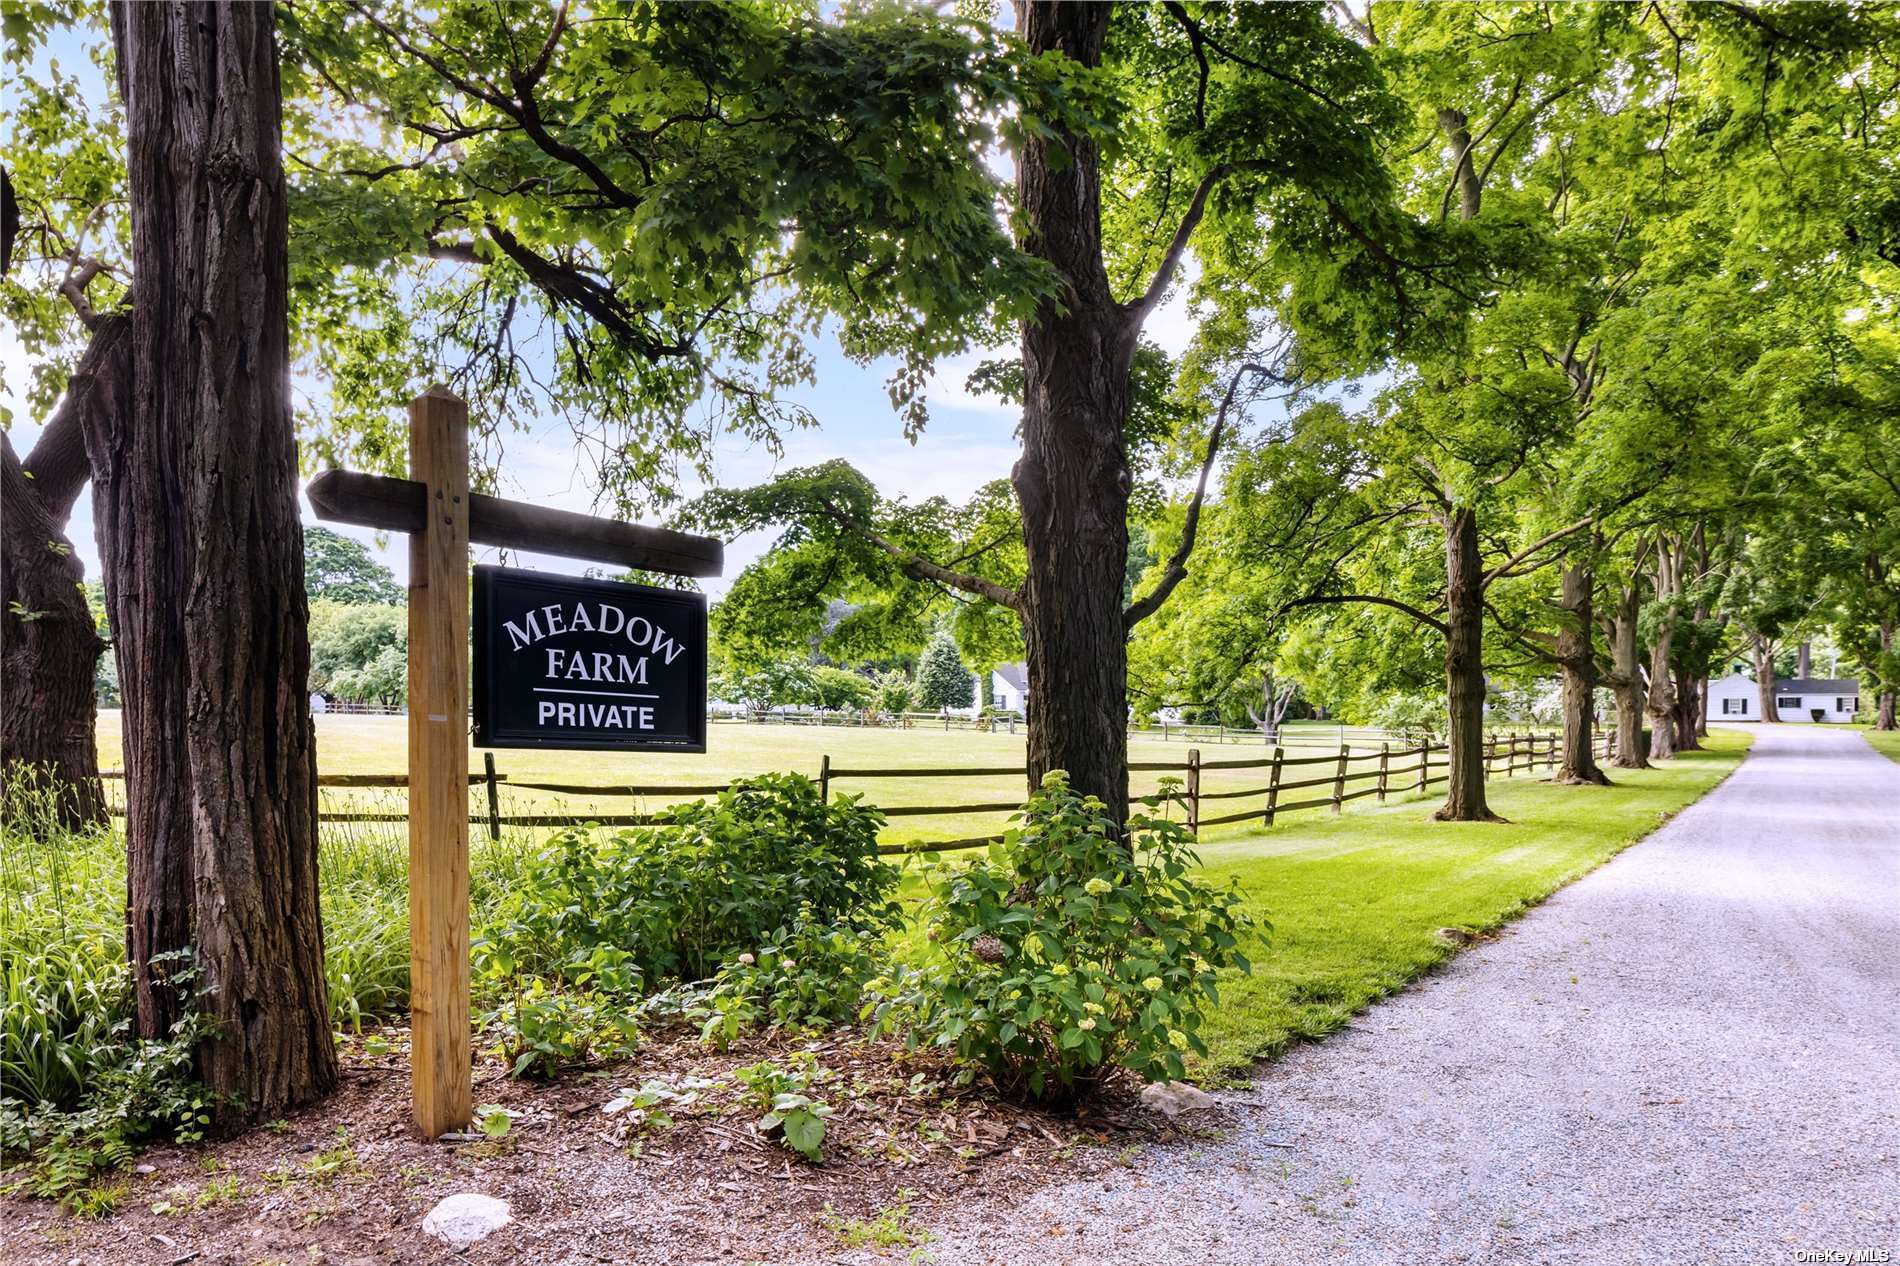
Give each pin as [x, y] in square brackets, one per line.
[1736, 697]
[1009, 687]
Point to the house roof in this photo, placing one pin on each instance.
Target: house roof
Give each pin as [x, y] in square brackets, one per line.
[1015, 676]
[1816, 686]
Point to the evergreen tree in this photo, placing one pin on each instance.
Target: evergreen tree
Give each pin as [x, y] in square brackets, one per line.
[942, 680]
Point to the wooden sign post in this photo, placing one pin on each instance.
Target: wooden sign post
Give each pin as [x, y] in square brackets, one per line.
[434, 506]
[438, 767]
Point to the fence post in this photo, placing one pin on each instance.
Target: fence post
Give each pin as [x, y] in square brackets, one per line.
[1424, 763]
[1490, 755]
[1385, 760]
[824, 779]
[1194, 791]
[1339, 779]
[494, 799]
[1273, 786]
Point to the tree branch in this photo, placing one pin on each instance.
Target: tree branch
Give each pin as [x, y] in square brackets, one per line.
[57, 462]
[1176, 570]
[1138, 311]
[1549, 538]
[917, 567]
[1315, 600]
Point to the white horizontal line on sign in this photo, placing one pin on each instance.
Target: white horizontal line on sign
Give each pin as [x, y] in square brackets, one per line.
[611, 694]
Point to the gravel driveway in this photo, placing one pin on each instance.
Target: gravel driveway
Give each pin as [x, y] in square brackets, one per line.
[1693, 1054]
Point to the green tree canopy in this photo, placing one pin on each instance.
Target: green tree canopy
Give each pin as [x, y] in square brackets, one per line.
[339, 569]
[942, 680]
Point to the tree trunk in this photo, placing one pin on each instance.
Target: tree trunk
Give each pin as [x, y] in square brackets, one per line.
[1464, 673]
[1662, 698]
[1702, 708]
[1627, 681]
[48, 712]
[1686, 716]
[1662, 689]
[1884, 718]
[1577, 667]
[196, 497]
[48, 652]
[1073, 479]
[1762, 652]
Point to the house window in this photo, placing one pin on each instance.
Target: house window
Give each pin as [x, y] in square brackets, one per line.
[1734, 707]
[1850, 704]
[1792, 702]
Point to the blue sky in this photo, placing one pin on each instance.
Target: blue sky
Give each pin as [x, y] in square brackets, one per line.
[969, 441]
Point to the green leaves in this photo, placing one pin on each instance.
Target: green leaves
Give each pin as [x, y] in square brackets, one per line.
[794, 1116]
[1067, 953]
[669, 205]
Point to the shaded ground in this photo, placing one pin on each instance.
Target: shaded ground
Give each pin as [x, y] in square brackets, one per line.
[1691, 1054]
[349, 1183]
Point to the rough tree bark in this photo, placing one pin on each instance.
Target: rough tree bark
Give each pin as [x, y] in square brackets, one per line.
[1687, 715]
[1464, 672]
[48, 713]
[1073, 479]
[1761, 652]
[1577, 668]
[1884, 711]
[1665, 582]
[1626, 679]
[195, 489]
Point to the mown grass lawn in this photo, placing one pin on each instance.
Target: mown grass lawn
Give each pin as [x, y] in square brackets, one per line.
[1886, 742]
[1356, 901]
[354, 744]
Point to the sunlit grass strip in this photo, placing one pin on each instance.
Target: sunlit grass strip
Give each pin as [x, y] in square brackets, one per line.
[1356, 901]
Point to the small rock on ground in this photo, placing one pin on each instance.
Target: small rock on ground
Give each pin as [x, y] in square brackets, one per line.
[466, 1218]
[1172, 1098]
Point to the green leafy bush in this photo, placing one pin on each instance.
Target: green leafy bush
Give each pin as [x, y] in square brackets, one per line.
[543, 1024]
[1411, 719]
[716, 880]
[1067, 953]
[842, 689]
[805, 975]
[134, 1090]
[893, 692]
[794, 1116]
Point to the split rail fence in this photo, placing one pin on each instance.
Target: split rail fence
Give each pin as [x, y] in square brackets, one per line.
[1292, 784]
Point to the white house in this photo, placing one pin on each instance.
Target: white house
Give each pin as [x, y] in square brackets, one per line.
[1737, 698]
[1009, 687]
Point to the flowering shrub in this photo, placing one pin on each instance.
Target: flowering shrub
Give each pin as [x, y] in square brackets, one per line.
[1068, 953]
[802, 976]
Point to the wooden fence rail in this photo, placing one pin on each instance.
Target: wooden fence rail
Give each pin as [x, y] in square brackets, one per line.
[1504, 755]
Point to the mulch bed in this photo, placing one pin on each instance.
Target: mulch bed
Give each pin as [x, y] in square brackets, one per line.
[349, 1182]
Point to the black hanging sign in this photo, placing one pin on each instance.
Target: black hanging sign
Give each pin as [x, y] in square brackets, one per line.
[591, 664]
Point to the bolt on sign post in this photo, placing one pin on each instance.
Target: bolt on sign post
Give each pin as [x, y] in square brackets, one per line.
[560, 662]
